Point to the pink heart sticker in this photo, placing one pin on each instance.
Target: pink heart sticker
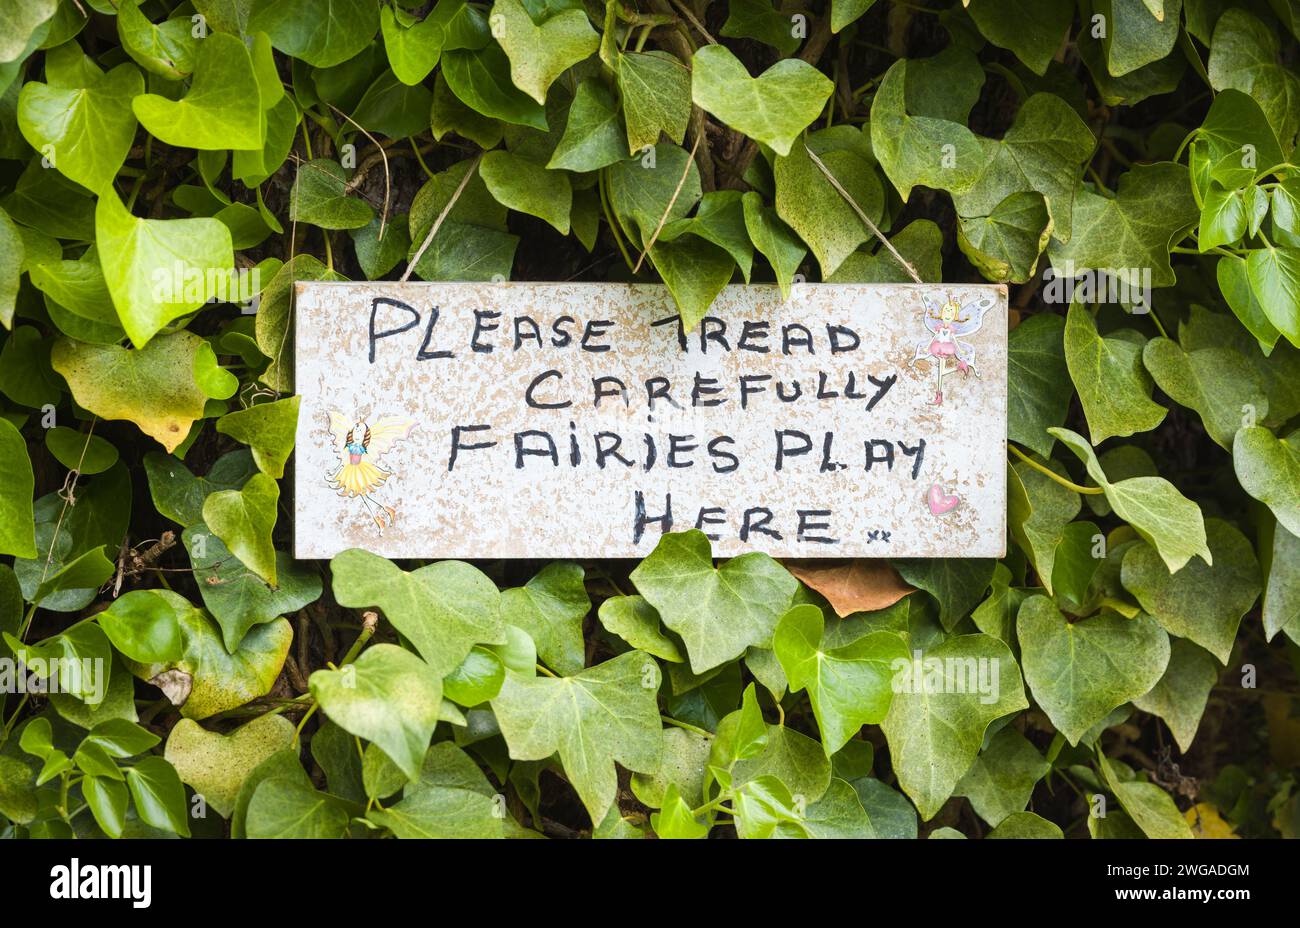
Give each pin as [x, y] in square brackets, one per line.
[940, 502]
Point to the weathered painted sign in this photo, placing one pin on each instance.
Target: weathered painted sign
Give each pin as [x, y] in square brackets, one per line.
[581, 420]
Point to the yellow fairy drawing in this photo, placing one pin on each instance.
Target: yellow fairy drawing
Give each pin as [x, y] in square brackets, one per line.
[359, 445]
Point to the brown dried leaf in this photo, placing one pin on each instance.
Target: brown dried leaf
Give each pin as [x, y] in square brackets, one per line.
[861, 585]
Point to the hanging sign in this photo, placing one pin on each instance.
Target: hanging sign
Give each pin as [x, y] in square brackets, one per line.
[581, 420]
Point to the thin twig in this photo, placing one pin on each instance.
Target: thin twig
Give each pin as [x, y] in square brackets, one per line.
[437, 223]
[690, 17]
[388, 183]
[907, 266]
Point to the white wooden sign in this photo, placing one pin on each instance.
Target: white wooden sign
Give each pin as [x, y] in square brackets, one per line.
[579, 420]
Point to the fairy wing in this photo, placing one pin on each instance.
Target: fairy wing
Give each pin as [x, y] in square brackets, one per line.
[971, 316]
[340, 425]
[930, 318]
[388, 431]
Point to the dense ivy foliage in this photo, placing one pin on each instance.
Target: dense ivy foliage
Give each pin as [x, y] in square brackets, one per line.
[168, 170]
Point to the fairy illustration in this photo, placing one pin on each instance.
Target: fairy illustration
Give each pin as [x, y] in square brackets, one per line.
[359, 444]
[946, 324]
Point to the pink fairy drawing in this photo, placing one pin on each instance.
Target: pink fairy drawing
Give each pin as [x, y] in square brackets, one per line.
[358, 445]
[947, 323]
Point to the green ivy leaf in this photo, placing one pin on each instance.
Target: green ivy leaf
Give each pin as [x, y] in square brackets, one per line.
[593, 134]
[1152, 505]
[388, 696]
[774, 240]
[17, 483]
[656, 91]
[413, 47]
[540, 52]
[1268, 468]
[320, 197]
[920, 150]
[1114, 388]
[217, 765]
[1244, 56]
[1150, 807]
[159, 796]
[848, 686]
[636, 622]
[1134, 37]
[550, 608]
[268, 429]
[238, 598]
[717, 612]
[1274, 276]
[223, 108]
[481, 80]
[810, 204]
[528, 187]
[773, 108]
[159, 269]
[935, 729]
[243, 520]
[144, 626]
[1079, 671]
[283, 807]
[1005, 244]
[451, 799]
[1131, 231]
[605, 714]
[1219, 383]
[153, 386]
[1032, 29]
[1180, 696]
[444, 609]
[1038, 391]
[1003, 777]
[81, 120]
[957, 584]
[322, 33]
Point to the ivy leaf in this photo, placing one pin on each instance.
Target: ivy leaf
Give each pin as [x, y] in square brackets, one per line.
[23, 23]
[1282, 596]
[649, 189]
[1043, 151]
[166, 49]
[674, 820]
[223, 108]
[920, 243]
[238, 598]
[935, 729]
[243, 520]
[593, 135]
[717, 612]
[681, 770]
[387, 696]
[216, 765]
[268, 429]
[178, 495]
[1152, 505]
[1274, 275]
[319, 196]
[1032, 29]
[550, 608]
[1216, 382]
[1038, 511]
[606, 714]
[773, 108]
[1132, 230]
[17, 483]
[1134, 37]
[757, 19]
[957, 584]
[1244, 56]
[656, 91]
[1180, 696]
[1005, 244]
[144, 626]
[1003, 777]
[720, 219]
[1151, 808]
[807, 201]
[1268, 468]
[158, 269]
[848, 686]
[413, 48]
[322, 34]
[481, 80]
[636, 622]
[1114, 388]
[539, 53]
[444, 609]
[920, 150]
[1026, 825]
[1038, 389]
[81, 120]
[774, 240]
[844, 13]
[451, 799]
[838, 814]
[207, 678]
[528, 187]
[284, 807]
[1079, 671]
[159, 796]
[695, 271]
[153, 386]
